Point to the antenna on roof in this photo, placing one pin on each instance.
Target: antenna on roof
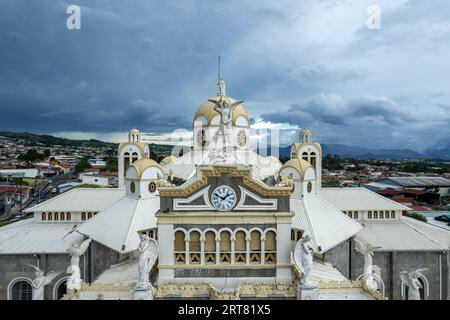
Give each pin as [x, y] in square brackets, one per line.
[220, 82]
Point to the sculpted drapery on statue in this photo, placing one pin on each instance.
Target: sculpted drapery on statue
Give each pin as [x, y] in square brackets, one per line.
[225, 110]
[40, 281]
[411, 280]
[304, 260]
[74, 281]
[148, 253]
[367, 250]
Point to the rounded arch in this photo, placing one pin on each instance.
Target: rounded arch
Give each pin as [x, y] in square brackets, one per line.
[190, 231]
[23, 292]
[424, 291]
[215, 121]
[182, 230]
[380, 283]
[268, 230]
[241, 121]
[57, 290]
[247, 233]
[216, 233]
[200, 120]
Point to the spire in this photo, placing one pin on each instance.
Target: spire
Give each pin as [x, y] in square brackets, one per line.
[220, 83]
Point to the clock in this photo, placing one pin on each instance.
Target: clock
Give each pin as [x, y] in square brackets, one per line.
[223, 198]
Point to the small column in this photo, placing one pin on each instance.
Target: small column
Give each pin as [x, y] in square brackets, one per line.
[217, 251]
[202, 251]
[232, 251]
[247, 249]
[263, 251]
[187, 250]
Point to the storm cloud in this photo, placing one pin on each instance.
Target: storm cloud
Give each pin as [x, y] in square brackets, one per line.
[150, 64]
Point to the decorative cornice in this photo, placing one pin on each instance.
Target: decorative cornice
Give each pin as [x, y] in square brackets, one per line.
[203, 173]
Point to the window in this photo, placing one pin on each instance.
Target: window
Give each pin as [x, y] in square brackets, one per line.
[180, 248]
[63, 216]
[225, 247]
[89, 215]
[350, 214]
[375, 214]
[423, 291]
[21, 290]
[210, 247]
[68, 216]
[43, 216]
[369, 215]
[240, 248]
[305, 156]
[134, 157]
[292, 235]
[56, 216]
[194, 247]
[126, 162]
[381, 215]
[83, 216]
[392, 214]
[270, 248]
[60, 289]
[313, 160]
[356, 215]
[255, 247]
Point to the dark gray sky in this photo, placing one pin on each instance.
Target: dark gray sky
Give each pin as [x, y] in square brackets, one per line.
[150, 64]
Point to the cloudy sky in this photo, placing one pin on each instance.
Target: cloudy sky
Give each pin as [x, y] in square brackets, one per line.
[150, 64]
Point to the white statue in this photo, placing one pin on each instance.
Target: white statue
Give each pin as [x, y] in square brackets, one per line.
[40, 281]
[148, 253]
[225, 110]
[304, 260]
[74, 281]
[411, 280]
[367, 251]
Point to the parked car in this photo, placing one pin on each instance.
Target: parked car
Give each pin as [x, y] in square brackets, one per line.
[443, 218]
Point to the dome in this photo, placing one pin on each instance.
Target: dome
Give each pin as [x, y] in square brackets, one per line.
[142, 165]
[134, 131]
[298, 164]
[305, 132]
[207, 110]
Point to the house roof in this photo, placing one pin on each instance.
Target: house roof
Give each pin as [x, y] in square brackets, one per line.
[81, 199]
[405, 234]
[117, 226]
[28, 236]
[418, 181]
[358, 199]
[326, 225]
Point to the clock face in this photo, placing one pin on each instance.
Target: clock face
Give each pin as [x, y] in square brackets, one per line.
[223, 198]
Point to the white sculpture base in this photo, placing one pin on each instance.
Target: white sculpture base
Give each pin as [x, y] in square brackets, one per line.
[142, 294]
[306, 292]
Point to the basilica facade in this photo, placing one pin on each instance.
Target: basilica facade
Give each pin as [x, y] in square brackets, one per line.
[227, 224]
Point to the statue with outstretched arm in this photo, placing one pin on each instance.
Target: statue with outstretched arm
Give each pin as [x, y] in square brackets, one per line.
[40, 281]
[76, 251]
[366, 250]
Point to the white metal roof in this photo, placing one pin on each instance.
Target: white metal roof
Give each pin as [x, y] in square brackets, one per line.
[81, 199]
[405, 234]
[419, 181]
[28, 237]
[324, 271]
[120, 274]
[358, 199]
[326, 225]
[117, 226]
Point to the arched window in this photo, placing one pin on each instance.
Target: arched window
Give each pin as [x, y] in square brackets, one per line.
[356, 215]
[423, 291]
[56, 216]
[194, 247]
[43, 216]
[21, 289]
[225, 247]
[68, 216]
[313, 159]
[350, 214]
[210, 247]
[375, 214]
[255, 247]
[369, 215]
[292, 235]
[305, 156]
[89, 215]
[180, 248]
[240, 248]
[60, 289]
[63, 216]
[392, 214]
[83, 216]
[270, 248]
[50, 216]
[126, 162]
[134, 157]
[381, 215]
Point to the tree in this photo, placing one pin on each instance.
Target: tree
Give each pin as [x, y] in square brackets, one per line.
[111, 164]
[31, 155]
[332, 163]
[82, 165]
[47, 153]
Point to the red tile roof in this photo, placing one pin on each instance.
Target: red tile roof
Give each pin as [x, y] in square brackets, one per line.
[403, 200]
